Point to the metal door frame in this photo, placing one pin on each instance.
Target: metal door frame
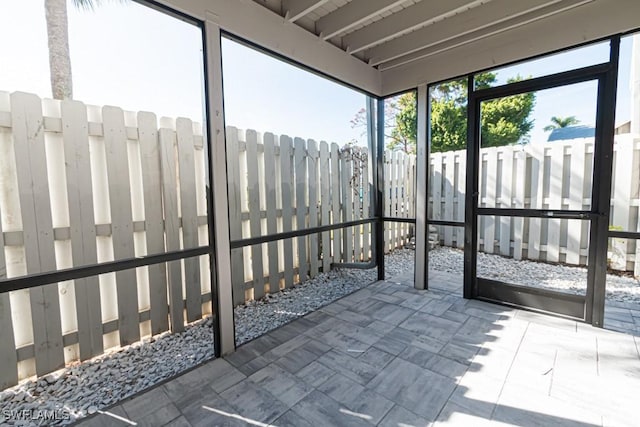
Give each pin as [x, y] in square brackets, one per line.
[589, 307]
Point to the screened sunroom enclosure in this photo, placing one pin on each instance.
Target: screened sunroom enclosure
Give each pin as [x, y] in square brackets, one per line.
[195, 219]
[392, 47]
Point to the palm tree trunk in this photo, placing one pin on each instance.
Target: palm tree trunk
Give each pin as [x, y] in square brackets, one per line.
[59, 57]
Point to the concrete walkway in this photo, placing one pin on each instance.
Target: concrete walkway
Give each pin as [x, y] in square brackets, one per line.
[389, 355]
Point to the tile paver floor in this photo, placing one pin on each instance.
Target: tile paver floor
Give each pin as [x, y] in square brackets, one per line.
[390, 355]
[622, 317]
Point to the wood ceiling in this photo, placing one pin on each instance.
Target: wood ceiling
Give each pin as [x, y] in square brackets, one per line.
[390, 33]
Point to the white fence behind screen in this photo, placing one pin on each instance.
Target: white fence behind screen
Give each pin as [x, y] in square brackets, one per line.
[279, 184]
[80, 185]
[550, 175]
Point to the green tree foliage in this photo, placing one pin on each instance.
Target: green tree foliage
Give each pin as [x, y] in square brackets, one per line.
[505, 121]
[400, 122]
[561, 122]
[404, 134]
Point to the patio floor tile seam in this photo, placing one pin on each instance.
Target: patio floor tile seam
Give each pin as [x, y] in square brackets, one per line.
[517, 351]
[457, 384]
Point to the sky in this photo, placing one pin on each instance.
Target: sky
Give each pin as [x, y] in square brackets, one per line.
[577, 100]
[139, 59]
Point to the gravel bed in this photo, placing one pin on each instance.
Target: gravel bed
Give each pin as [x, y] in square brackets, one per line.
[84, 388]
[620, 288]
[258, 317]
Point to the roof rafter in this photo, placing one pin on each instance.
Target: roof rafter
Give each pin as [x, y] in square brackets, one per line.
[457, 26]
[412, 18]
[296, 9]
[471, 36]
[351, 15]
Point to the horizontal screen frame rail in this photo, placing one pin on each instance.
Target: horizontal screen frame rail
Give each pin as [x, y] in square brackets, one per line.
[47, 278]
[633, 235]
[538, 213]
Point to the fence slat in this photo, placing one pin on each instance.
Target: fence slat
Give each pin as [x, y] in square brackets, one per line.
[536, 180]
[401, 197]
[555, 201]
[402, 208]
[636, 178]
[82, 226]
[235, 217]
[313, 206]
[413, 193]
[623, 171]
[254, 213]
[490, 197]
[436, 186]
[31, 166]
[8, 356]
[387, 200]
[189, 216]
[347, 205]
[576, 197]
[521, 182]
[436, 189]
[300, 163]
[460, 195]
[335, 202]
[398, 198]
[393, 188]
[272, 223]
[325, 200]
[506, 198]
[115, 141]
[395, 170]
[366, 228]
[621, 199]
[448, 195]
[167, 142]
[355, 191]
[408, 194]
[402, 189]
[154, 227]
[287, 206]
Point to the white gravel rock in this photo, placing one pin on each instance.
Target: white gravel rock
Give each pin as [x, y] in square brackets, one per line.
[258, 317]
[557, 277]
[106, 379]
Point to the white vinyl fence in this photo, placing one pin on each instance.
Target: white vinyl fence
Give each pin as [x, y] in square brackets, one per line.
[279, 184]
[81, 185]
[550, 175]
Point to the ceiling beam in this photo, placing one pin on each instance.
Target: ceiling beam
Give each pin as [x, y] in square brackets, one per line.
[296, 9]
[257, 24]
[412, 18]
[351, 15]
[482, 17]
[592, 21]
[506, 25]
